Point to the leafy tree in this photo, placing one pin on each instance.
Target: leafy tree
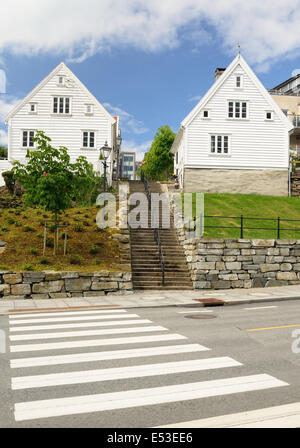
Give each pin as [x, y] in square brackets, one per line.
[49, 178]
[159, 160]
[3, 152]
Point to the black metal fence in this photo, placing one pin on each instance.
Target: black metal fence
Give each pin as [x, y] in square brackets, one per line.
[242, 221]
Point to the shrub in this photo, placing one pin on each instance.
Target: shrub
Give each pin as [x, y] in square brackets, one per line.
[27, 267]
[49, 242]
[4, 268]
[44, 261]
[34, 251]
[78, 228]
[76, 259]
[9, 180]
[28, 229]
[94, 250]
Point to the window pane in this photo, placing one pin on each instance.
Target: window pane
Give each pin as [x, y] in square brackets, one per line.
[92, 139]
[230, 110]
[237, 110]
[219, 144]
[85, 139]
[244, 110]
[225, 144]
[67, 105]
[238, 81]
[25, 134]
[31, 136]
[213, 143]
[61, 105]
[55, 105]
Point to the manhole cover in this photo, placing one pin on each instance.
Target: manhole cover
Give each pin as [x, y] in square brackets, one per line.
[210, 302]
[200, 316]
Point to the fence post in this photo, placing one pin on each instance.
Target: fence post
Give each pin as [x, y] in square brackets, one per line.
[278, 228]
[242, 227]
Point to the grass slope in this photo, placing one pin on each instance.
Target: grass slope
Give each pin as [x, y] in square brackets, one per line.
[251, 206]
[89, 248]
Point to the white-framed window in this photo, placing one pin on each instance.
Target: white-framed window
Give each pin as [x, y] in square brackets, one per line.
[89, 109]
[269, 115]
[239, 81]
[32, 108]
[61, 105]
[238, 109]
[89, 139]
[27, 138]
[220, 144]
[61, 80]
[205, 113]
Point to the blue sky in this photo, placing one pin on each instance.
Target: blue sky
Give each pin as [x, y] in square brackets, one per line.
[148, 62]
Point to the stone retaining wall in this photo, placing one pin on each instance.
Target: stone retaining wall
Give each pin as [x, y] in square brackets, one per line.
[236, 263]
[55, 285]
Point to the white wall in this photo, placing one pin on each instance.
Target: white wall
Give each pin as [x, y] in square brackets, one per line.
[255, 143]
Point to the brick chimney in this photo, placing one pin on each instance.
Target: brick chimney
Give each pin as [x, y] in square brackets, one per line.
[219, 72]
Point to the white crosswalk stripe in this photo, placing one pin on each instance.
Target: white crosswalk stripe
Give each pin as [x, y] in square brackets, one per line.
[44, 327]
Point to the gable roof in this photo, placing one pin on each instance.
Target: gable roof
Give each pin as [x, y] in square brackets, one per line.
[47, 79]
[239, 60]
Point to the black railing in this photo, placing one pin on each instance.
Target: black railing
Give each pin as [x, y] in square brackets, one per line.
[242, 227]
[161, 257]
[156, 231]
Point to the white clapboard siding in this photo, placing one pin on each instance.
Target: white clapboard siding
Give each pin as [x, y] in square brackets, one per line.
[63, 130]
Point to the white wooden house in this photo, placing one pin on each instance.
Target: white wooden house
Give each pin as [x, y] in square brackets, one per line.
[69, 114]
[236, 139]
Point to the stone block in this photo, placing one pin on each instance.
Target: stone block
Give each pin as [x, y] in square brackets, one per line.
[71, 274]
[52, 276]
[269, 267]
[229, 258]
[248, 284]
[273, 283]
[237, 284]
[12, 279]
[47, 287]
[221, 284]
[104, 286]
[258, 259]
[259, 282]
[77, 284]
[263, 243]
[126, 286]
[273, 251]
[40, 296]
[285, 251]
[4, 290]
[206, 265]
[233, 265]
[202, 285]
[230, 277]
[94, 294]
[220, 265]
[20, 290]
[286, 267]
[287, 276]
[33, 277]
[247, 251]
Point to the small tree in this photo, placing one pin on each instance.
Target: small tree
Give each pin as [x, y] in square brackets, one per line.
[49, 178]
[159, 160]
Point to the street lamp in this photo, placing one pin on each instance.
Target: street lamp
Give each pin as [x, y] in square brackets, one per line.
[104, 154]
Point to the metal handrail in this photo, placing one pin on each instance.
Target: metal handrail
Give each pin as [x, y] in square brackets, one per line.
[161, 257]
[156, 231]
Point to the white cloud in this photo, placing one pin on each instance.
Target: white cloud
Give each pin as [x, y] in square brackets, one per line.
[267, 30]
[7, 103]
[195, 99]
[127, 121]
[139, 148]
[3, 137]
[296, 72]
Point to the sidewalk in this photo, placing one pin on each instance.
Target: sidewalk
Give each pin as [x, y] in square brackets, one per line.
[140, 299]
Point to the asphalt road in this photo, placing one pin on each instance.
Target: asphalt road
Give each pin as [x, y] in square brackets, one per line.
[218, 367]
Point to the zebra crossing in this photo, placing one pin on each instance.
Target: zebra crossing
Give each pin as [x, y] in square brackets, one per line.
[65, 339]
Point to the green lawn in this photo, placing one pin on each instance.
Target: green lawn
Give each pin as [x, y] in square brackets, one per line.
[251, 206]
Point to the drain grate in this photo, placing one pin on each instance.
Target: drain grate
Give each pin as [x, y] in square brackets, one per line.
[200, 316]
[211, 302]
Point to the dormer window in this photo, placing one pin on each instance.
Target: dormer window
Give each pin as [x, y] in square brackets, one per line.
[32, 108]
[206, 113]
[269, 115]
[89, 109]
[61, 80]
[239, 81]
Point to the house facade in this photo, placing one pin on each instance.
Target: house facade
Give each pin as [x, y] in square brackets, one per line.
[128, 165]
[236, 139]
[287, 97]
[69, 114]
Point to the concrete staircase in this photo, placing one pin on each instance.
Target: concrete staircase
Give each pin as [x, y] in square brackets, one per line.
[145, 259]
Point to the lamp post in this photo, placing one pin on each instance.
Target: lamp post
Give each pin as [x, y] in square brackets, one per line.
[104, 154]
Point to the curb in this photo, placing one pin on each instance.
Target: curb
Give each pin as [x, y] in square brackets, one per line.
[178, 305]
